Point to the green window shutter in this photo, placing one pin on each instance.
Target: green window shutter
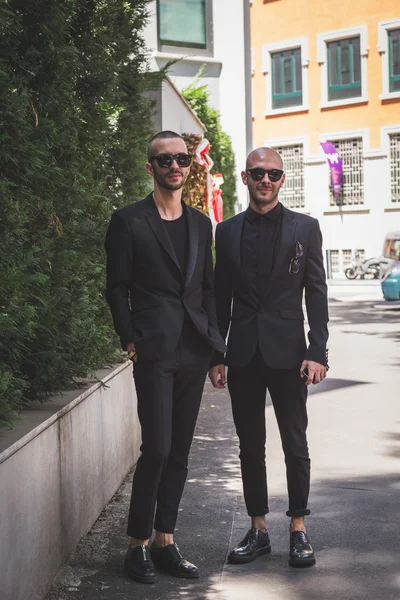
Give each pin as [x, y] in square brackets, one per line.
[287, 84]
[344, 69]
[394, 60]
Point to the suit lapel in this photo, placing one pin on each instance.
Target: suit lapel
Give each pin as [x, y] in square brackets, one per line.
[156, 224]
[193, 239]
[236, 245]
[236, 238]
[285, 247]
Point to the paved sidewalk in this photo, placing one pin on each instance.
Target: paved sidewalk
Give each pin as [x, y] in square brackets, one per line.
[354, 437]
[356, 290]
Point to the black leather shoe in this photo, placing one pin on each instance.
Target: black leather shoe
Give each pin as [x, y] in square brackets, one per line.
[169, 559]
[255, 543]
[301, 553]
[139, 565]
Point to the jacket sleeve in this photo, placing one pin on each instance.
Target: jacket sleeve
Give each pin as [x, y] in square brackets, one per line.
[119, 249]
[223, 292]
[316, 296]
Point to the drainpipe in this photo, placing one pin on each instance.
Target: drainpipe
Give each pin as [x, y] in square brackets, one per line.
[247, 75]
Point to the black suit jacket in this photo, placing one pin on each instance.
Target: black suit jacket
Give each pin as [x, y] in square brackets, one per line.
[275, 321]
[146, 289]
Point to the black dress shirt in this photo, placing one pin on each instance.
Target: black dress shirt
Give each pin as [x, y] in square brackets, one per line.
[177, 233]
[259, 241]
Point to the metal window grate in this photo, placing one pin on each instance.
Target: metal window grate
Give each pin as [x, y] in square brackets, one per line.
[347, 256]
[292, 191]
[335, 267]
[395, 167]
[351, 153]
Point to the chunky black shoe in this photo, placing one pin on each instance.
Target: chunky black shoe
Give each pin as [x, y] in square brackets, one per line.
[139, 565]
[255, 543]
[301, 553]
[169, 559]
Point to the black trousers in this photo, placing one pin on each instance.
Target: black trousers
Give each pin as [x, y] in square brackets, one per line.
[169, 394]
[247, 388]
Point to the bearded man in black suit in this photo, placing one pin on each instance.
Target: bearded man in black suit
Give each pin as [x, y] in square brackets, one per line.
[266, 258]
[161, 294]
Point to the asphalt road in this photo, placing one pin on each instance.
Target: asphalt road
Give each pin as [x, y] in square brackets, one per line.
[354, 438]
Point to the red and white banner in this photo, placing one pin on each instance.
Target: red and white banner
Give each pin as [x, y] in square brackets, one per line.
[213, 194]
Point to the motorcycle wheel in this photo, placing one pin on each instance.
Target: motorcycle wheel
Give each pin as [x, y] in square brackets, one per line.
[350, 273]
[375, 270]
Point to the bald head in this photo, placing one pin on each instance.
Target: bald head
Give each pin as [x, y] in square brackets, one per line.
[264, 178]
[257, 157]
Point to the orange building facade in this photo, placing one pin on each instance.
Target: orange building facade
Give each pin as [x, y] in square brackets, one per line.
[331, 72]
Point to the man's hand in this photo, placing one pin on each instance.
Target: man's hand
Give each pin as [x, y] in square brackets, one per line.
[130, 348]
[217, 376]
[316, 371]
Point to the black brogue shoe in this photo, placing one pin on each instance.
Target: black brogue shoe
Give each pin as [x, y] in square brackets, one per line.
[255, 543]
[301, 553]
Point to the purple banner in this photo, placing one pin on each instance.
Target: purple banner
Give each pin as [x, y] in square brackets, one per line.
[335, 165]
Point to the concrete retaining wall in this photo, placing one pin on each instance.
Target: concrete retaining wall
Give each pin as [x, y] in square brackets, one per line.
[55, 481]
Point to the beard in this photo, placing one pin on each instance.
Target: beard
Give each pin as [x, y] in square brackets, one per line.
[262, 201]
[170, 185]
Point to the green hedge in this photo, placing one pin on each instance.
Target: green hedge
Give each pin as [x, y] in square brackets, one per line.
[221, 152]
[74, 124]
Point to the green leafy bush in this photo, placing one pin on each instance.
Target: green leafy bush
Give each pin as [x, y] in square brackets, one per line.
[221, 152]
[74, 123]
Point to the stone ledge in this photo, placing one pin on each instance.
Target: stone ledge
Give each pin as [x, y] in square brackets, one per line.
[57, 478]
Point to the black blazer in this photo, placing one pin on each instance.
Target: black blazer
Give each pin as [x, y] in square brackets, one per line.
[146, 289]
[275, 321]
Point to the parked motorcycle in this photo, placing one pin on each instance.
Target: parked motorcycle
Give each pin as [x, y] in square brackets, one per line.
[364, 269]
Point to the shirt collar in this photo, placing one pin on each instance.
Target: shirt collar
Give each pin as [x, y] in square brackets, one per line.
[254, 217]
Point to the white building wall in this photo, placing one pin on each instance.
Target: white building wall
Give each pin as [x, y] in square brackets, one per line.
[176, 115]
[360, 227]
[224, 74]
[350, 227]
[229, 49]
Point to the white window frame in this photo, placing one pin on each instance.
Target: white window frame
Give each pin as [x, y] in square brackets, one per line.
[294, 141]
[269, 49]
[322, 59]
[166, 48]
[383, 47]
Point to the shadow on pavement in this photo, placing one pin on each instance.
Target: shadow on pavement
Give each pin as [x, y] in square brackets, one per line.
[361, 313]
[354, 533]
[330, 384]
[394, 436]
[354, 530]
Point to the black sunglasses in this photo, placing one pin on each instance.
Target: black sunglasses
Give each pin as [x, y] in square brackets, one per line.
[165, 160]
[258, 174]
[294, 266]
